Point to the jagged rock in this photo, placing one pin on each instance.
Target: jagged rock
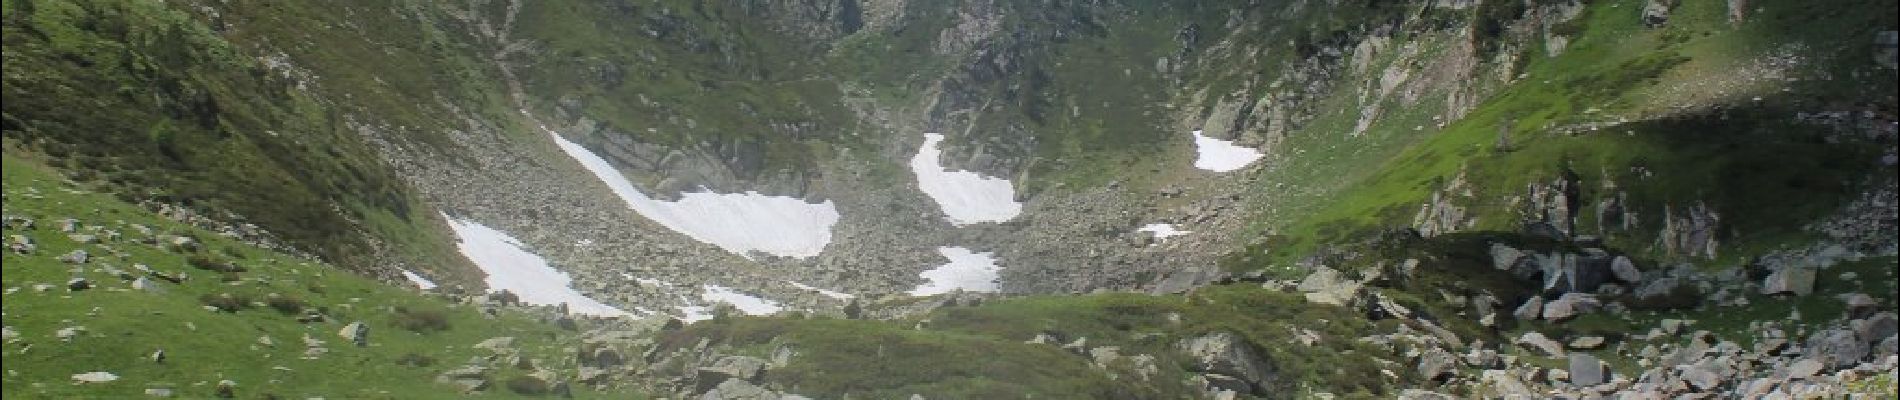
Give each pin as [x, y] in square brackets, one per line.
[1226, 354]
[729, 367]
[1796, 280]
[1839, 348]
[1873, 329]
[1530, 310]
[1537, 341]
[78, 256]
[1382, 307]
[1505, 258]
[1327, 286]
[1702, 379]
[356, 332]
[1587, 370]
[1859, 303]
[1570, 305]
[1806, 368]
[1437, 364]
[20, 244]
[1625, 270]
[1656, 13]
[1506, 385]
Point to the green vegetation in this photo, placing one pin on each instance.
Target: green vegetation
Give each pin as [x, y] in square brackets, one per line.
[167, 105]
[254, 337]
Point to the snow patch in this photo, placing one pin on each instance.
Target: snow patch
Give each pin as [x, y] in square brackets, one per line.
[418, 280]
[737, 222]
[828, 293]
[968, 271]
[748, 304]
[1221, 155]
[966, 197]
[511, 268]
[1162, 231]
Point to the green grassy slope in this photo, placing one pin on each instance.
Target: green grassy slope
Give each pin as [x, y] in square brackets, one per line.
[124, 326]
[163, 103]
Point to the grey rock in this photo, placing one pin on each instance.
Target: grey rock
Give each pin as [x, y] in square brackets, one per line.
[74, 257]
[1530, 310]
[1571, 305]
[1226, 354]
[1656, 13]
[1421, 394]
[1587, 370]
[1789, 280]
[78, 284]
[1587, 343]
[1328, 286]
[158, 392]
[738, 389]
[1839, 348]
[1873, 329]
[20, 244]
[745, 368]
[1625, 270]
[1505, 258]
[1806, 368]
[1702, 379]
[1537, 341]
[356, 332]
[1437, 364]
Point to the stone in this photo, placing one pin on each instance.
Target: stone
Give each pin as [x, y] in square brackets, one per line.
[1506, 385]
[74, 257]
[1421, 394]
[1537, 341]
[1702, 379]
[1798, 281]
[1505, 258]
[1839, 348]
[1570, 305]
[745, 368]
[20, 244]
[1587, 370]
[738, 389]
[1625, 270]
[68, 333]
[226, 389]
[500, 344]
[1227, 354]
[356, 332]
[1806, 368]
[1437, 365]
[78, 284]
[1530, 310]
[1873, 329]
[1328, 286]
[1587, 343]
[158, 392]
[95, 377]
[1656, 13]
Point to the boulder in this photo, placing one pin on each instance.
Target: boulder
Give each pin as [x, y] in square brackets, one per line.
[738, 389]
[1806, 368]
[1571, 305]
[1587, 370]
[74, 257]
[1505, 258]
[1328, 286]
[1798, 281]
[1587, 343]
[1656, 13]
[1625, 270]
[1702, 379]
[356, 332]
[1437, 365]
[1227, 354]
[1876, 328]
[726, 368]
[78, 284]
[1530, 310]
[1538, 342]
[95, 377]
[1839, 348]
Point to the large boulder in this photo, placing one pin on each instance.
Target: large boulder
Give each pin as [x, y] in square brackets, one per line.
[1227, 354]
[1530, 310]
[1625, 270]
[749, 369]
[1536, 341]
[1587, 370]
[1794, 280]
[1437, 364]
[1329, 286]
[1571, 305]
[1840, 348]
[356, 332]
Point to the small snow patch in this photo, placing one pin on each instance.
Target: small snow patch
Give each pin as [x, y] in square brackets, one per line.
[1162, 231]
[749, 304]
[95, 377]
[828, 293]
[966, 197]
[511, 268]
[1221, 155]
[968, 271]
[418, 280]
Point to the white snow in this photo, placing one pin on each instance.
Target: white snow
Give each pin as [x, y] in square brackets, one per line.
[1221, 155]
[418, 280]
[1162, 231]
[511, 268]
[968, 271]
[966, 197]
[828, 293]
[737, 222]
[95, 377]
[748, 304]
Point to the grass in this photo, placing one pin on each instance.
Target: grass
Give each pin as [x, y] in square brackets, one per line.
[123, 325]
